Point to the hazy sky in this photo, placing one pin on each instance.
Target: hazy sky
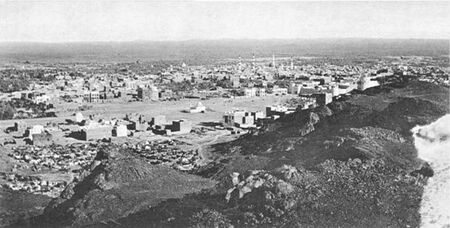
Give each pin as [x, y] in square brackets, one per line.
[119, 20]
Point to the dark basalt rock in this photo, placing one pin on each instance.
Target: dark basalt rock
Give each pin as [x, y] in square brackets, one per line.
[116, 185]
[425, 171]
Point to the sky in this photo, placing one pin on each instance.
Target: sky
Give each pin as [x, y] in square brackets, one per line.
[120, 20]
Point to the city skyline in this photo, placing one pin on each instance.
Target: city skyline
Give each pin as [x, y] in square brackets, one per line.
[83, 21]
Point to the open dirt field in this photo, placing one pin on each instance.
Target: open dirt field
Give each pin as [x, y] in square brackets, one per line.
[171, 109]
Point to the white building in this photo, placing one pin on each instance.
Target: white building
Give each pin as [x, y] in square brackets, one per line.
[294, 88]
[121, 130]
[199, 108]
[366, 82]
[279, 91]
[260, 92]
[79, 117]
[250, 92]
[36, 129]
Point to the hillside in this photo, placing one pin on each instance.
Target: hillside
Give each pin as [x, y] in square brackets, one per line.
[117, 185]
[335, 194]
[350, 164]
[375, 124]
[16, 206]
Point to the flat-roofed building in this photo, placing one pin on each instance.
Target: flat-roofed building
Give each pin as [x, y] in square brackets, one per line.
[242, 118]
[91, 96]
[250, 92]
[323, 98]
[294, 88]
[260, 92]
[149, 93]
[181, 127]
[279, 91]
[278, 110]
[95, 132]
[366, 83]
[120, 131]
[159, 120]
[42, 139]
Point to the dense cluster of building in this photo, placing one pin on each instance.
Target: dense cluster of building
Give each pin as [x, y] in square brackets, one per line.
[36, 135]
[91, 129]
[249, 78]
[242, 118]
[314, 84]
[309, 84]
[34, 184]
[166, 152]
[56, 157]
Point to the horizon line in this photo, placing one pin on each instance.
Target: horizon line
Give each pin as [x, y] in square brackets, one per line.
[220, 39]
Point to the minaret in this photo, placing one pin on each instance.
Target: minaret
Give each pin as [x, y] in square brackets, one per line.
[253, 62]
[273, 60]
[240, 63]
[292, 63]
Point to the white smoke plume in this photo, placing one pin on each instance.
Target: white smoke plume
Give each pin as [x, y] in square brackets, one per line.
[433, 145]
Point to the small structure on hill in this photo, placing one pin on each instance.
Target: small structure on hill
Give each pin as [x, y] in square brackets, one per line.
[278, 110]
[366, 82]
[323, 98]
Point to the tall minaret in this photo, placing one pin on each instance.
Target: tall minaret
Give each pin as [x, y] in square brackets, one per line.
[273, 60]
[240, 63]
[254, 62]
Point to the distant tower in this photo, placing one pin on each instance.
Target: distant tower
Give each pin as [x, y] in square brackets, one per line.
[253, 63]
[240, 63]
[273, 60]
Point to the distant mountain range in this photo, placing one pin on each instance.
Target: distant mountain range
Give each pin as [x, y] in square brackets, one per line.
[205, 51]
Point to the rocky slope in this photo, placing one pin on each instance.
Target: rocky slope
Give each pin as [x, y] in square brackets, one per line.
[116, 185]
[375, 124]
[350, 164]
[16, 206]
[335, 194]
